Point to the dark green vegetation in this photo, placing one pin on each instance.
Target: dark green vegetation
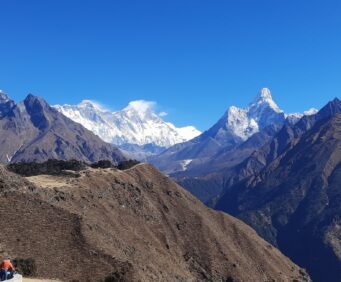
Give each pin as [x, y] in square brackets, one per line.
[127, 164]
[60, 167]
[26, 267]
[102, 164]
[51, 167]
[123, 165]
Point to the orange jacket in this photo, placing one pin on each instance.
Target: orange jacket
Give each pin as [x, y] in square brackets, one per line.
[7, 265]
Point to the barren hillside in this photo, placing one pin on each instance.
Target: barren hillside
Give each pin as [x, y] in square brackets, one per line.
[133, 225]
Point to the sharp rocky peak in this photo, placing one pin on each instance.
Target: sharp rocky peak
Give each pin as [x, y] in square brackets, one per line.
[37, 108]
[264, 93]
[261, 112]
[3, 97]
[32, 98]
[331, 108]
[264, 98]
[6, 105]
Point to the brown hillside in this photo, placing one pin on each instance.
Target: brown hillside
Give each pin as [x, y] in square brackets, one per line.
[137, 224]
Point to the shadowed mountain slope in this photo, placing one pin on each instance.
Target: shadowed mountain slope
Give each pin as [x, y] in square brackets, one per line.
[230, 167]
[294, 200]
[33, 131]
[232, 129]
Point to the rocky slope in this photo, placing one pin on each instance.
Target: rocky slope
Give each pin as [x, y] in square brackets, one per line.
[133, 225]
[292, 197]
[199, 155]
[284, 139]
[209, 179]
[33, 131]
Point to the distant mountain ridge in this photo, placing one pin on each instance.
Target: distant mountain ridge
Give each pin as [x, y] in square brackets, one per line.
[235, 127]
[289, 191]
[34, 131]
[207, 180]
[137, 124]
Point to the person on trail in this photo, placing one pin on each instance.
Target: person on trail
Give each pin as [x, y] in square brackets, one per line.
[7, 269]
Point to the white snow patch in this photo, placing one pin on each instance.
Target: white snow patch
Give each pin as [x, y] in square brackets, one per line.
[310, 112]
[295, 117]
[185, 163]
[9, 158]
[3, 97]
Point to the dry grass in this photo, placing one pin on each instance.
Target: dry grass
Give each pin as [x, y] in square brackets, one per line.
[132, 225]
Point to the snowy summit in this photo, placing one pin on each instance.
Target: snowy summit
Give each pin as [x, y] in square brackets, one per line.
[136, 124]
[3, 97]
[262, 112]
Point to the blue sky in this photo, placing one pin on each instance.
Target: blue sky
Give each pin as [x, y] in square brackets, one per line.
[194, 58]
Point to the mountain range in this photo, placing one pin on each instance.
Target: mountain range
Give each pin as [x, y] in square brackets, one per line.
[136, 129]
[289, 191]
[236, 126]
[283, 180]
[142, 133]
[34, 131]
[277, 172]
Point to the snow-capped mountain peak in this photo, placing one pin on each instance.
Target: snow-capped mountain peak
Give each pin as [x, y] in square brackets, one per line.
[3, 97]
[264, 98]
[295, 117]
[310, 112]
[264, 94]
[261, 112]
[89, 104]
[137, 124]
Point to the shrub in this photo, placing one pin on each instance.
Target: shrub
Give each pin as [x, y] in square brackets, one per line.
[127, 164]
[26, 267]
[102, 164]
[52, 167]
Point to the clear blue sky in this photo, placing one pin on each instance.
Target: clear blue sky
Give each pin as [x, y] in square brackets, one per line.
[194, 58]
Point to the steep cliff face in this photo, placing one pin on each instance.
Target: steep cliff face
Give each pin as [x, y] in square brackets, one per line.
[132, 225]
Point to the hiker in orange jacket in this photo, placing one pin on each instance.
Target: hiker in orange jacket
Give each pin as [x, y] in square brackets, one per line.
[7, 269]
